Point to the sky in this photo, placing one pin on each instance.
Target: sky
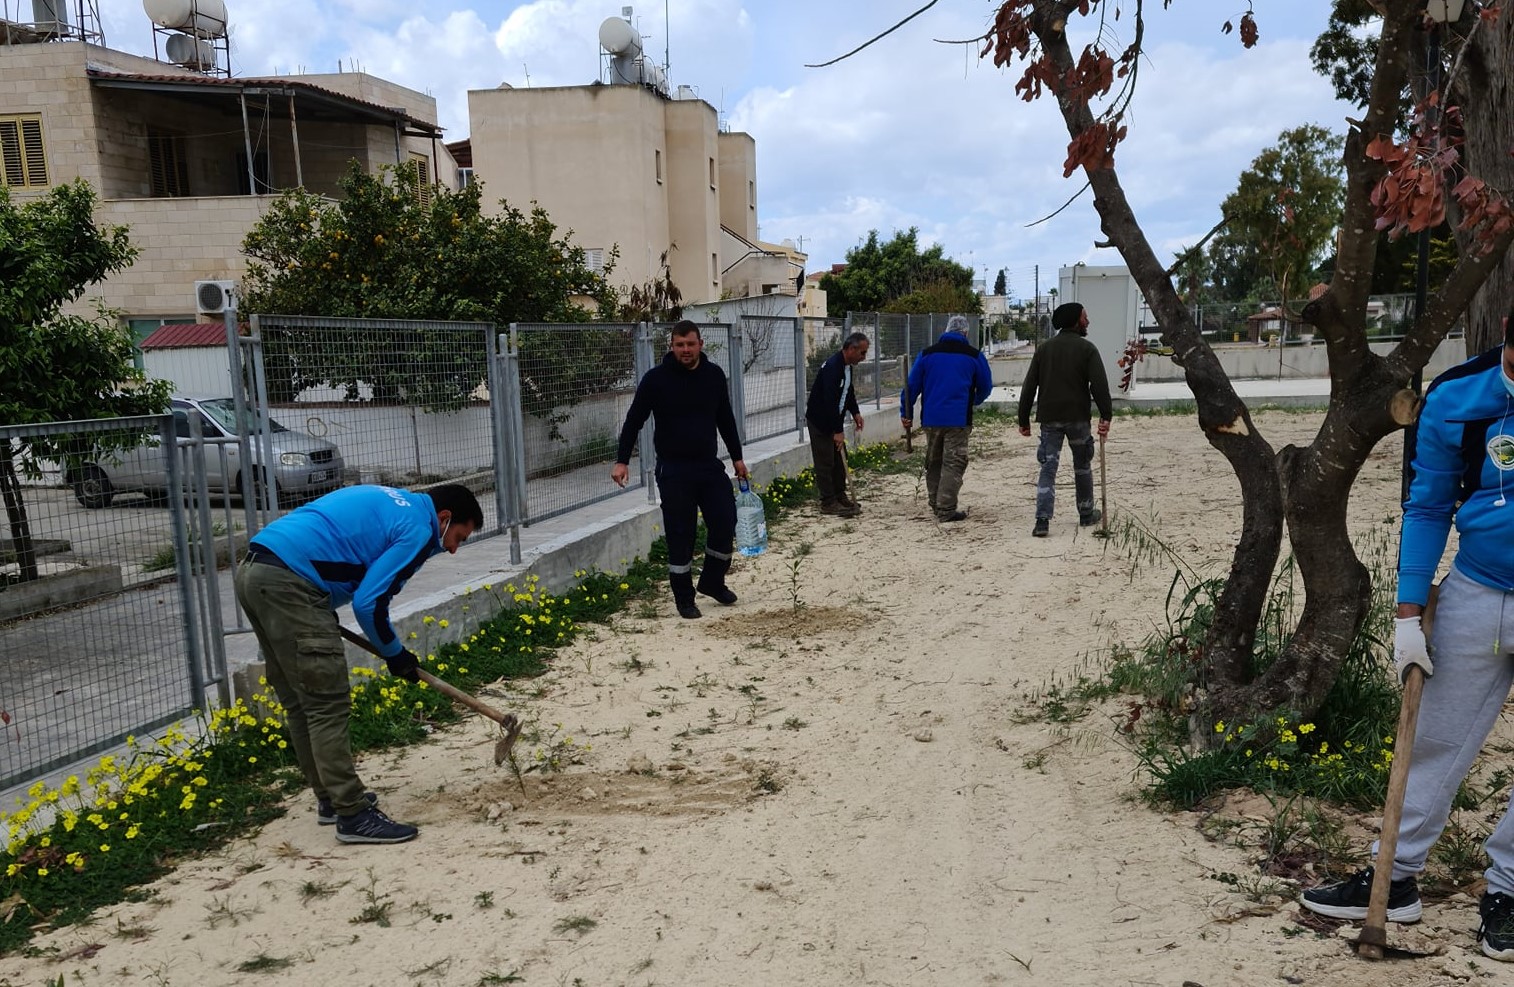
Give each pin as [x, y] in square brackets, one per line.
[910, 132]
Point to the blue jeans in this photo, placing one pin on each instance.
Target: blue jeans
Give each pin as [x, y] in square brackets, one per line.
[1079, 436]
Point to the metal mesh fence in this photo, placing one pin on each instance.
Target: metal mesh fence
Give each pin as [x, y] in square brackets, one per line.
[100, 625]
[772, 369]
[575, 383]
[399, 402]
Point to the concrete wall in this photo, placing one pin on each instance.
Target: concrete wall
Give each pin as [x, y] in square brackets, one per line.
[589, 156]
[694, 198]
[1242, 362]
[737, 153]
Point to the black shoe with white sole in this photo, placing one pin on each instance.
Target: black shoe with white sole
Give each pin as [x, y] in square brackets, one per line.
[1497, 931]
[1349, 898]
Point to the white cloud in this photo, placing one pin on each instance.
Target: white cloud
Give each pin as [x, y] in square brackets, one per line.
[906, 133]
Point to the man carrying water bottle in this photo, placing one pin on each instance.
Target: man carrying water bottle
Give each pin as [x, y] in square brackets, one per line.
[687, 400]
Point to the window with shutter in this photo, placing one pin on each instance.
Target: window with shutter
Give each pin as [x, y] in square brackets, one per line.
[422, 165]
[23, 161]
[169, 170]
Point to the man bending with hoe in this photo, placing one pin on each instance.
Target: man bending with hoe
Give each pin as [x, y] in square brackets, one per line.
[360, 544]
[686, 397]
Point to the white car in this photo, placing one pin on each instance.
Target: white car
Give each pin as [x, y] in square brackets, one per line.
[304, 466]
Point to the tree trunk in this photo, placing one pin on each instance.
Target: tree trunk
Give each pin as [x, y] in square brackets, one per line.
[1484, 84]
[15, 514]
[1309, 487]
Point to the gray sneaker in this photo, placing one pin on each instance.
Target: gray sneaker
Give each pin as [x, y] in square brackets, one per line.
[372, 826]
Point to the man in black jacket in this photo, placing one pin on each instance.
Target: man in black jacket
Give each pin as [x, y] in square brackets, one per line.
[1069, 374]
[687, 399]
[831, 398]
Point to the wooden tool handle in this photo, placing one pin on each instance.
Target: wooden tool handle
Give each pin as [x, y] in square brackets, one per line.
[457, 695]
[1374, 934]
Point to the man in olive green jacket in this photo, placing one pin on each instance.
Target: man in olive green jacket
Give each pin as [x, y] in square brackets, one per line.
[1068, 373]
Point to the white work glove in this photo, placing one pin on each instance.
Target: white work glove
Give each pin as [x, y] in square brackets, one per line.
[1410, 648]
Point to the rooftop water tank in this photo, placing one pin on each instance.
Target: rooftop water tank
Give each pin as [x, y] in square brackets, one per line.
[202, 18]
[192, 53]
[618, 37]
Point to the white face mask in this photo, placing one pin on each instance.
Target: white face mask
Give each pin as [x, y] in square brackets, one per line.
[1508, 385]
[443, 535]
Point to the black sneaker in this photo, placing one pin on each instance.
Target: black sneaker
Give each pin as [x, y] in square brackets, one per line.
[1089, 520]
[1042, 528]
[952, 518]
[1349, 898]
[372, 826]
[1497, 931]
[688, 611]
[326, 815]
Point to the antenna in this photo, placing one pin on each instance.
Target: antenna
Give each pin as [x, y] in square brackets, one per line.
[667, 35]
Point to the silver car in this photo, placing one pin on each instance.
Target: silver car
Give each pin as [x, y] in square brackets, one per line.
[304, 466]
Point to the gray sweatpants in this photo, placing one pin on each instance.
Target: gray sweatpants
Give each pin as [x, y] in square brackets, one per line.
[1470, 642]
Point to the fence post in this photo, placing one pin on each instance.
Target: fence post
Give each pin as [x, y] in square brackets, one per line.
[183, 571]
[210, 601]
[648, 454]
[520, 506]
[738, 376]
[269, 509]
[877, 360]
[801, 366]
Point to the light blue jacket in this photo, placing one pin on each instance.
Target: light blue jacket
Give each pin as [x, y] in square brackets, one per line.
[1463, 455]
[360, 544]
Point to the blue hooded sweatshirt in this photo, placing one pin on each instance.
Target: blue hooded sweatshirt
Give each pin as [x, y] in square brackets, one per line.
[1462, 458]
[360, 544]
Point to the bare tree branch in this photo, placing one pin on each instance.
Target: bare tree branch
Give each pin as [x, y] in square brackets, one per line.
[1059, 208]
[1197, 246]
[876, 37]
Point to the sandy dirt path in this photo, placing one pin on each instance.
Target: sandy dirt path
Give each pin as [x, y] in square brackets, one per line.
[847, 793]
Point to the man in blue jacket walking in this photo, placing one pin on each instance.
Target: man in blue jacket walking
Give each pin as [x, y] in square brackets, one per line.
[1462, 457]
[949, 379]
[359, 544]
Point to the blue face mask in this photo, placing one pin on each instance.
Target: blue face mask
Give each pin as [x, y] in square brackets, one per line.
[1508, 385]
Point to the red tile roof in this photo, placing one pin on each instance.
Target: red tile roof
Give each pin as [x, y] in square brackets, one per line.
[177, 335]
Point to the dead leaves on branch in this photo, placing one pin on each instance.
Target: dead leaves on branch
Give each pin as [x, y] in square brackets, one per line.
[1411, 196]
[1249, 32]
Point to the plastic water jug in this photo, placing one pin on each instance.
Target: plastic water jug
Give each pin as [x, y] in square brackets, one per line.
[751, 521]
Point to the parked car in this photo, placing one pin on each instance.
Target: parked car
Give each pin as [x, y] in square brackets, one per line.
[304, 466]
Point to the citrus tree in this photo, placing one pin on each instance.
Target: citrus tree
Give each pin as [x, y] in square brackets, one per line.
[56, 366]
[385, 250]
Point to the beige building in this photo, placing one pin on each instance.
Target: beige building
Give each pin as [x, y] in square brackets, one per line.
[628, 168]
[190, 161]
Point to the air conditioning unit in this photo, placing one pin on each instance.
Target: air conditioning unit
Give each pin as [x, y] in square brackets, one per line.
[215, 297]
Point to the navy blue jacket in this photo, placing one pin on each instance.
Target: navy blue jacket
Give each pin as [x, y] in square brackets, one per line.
[827, 406]
[687, 407]
[950, 379]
